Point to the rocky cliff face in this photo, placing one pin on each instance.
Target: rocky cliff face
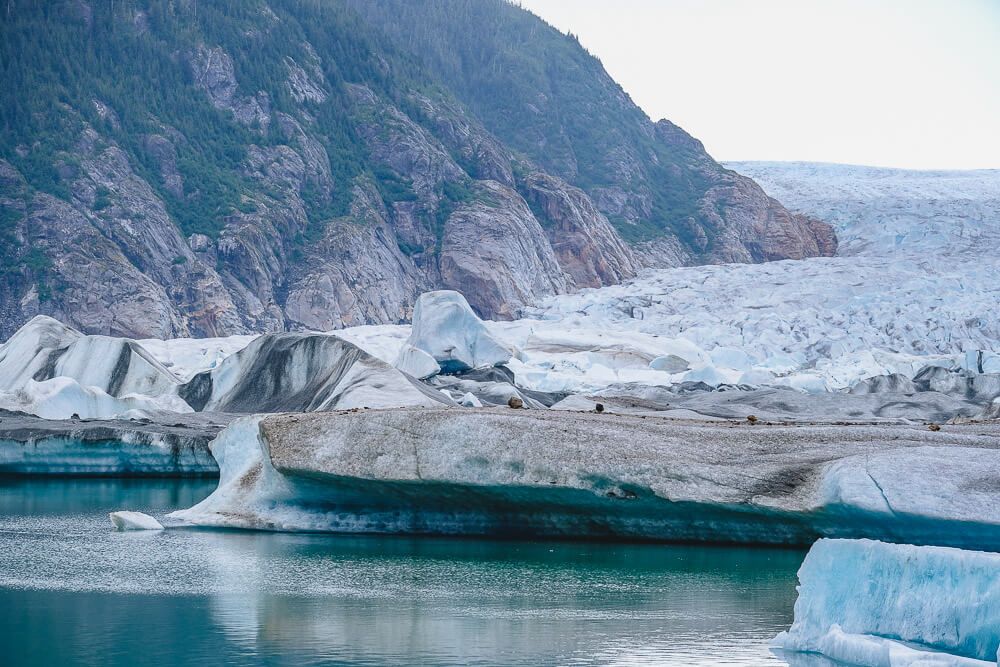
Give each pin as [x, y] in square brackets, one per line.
[285, 165]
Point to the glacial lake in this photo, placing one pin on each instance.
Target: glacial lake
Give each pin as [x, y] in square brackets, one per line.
[72, 591]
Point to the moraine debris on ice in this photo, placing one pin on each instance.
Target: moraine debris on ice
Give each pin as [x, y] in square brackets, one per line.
[897, 605]
[295, 372]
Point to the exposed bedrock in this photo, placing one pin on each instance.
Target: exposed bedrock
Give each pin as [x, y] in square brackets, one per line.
[586, 475]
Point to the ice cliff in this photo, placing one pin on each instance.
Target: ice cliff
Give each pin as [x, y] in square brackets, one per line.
[894, 605]
[515, 472]
[29, 445]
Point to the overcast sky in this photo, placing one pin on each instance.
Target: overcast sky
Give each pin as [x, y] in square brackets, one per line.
[900, 83]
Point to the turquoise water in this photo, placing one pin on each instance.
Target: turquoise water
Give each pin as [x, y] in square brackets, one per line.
[72, 591]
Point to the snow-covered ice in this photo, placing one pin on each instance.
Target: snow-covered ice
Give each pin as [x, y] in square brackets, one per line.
[51, 370]
[896, 605]
[63, 397]
[186, 357]
[304, 372]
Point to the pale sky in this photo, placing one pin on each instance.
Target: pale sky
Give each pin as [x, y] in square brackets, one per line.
[898, 83]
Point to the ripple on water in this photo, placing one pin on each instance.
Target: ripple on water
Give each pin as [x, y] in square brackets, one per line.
[183, 596]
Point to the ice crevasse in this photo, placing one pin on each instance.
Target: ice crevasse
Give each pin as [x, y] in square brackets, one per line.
[871, 603]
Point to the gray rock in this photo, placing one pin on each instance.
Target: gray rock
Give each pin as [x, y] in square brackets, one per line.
[586, 246]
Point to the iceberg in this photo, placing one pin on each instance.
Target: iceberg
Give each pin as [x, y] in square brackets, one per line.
[451, 334]
[895, 605]
[126, 520]
[556, 473]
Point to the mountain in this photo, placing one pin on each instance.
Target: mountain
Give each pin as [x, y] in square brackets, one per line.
[212, 167]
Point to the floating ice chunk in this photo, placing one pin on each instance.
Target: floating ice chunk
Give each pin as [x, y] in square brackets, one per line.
[417, 363]
[134, 521]
[446, 328]
[854, 594]
[872, 651]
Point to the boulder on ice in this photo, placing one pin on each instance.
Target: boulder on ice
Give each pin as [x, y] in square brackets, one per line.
[854, 595]
[446, 329]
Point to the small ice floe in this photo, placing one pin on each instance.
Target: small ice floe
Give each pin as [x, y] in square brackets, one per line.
[134, 521]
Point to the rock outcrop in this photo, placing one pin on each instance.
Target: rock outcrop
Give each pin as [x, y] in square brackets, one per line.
[274, 181]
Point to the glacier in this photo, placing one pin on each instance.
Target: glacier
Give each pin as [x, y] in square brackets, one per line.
[51, 370]
[895, 605]
[483, 471]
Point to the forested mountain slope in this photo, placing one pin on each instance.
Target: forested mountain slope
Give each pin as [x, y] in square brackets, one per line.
[210, 167]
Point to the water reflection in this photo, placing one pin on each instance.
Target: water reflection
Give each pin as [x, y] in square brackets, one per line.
[210, 597]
